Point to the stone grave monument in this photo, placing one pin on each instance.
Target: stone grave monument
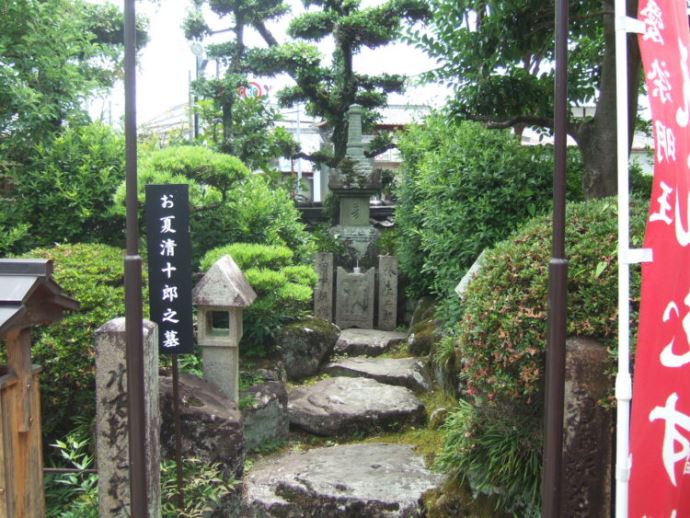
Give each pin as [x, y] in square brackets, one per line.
[353, 183]
[355, 299]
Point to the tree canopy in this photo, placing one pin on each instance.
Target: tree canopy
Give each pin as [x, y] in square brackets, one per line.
[234, 124]
[327, 87]
[499, 57]
[53, 54]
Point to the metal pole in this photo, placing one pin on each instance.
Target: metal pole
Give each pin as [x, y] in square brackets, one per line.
[298, 134]
[197, 66]
[192, 102]
[558, 278]
[133, 303]
[623, 380]
[178, 433]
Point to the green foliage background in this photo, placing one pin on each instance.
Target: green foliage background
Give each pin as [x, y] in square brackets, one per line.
[283, 287]
[63, 194]
[227, 203]
[93, 275]
[462, 189]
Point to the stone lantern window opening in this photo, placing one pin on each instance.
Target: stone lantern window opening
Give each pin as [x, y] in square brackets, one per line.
[218, 323]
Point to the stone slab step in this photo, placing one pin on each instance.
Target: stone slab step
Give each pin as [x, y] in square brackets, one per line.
[367, 342]
[343, 405]
[352, 481]
[405, 372]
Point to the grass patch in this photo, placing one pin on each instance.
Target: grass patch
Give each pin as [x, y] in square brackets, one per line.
[291, 385]
[397, 351]
[426, 442]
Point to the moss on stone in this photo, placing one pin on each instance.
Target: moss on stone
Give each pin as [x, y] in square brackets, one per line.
[317, 323]
[424, 310]
[455, 499]
[426, 441]
[423, 336]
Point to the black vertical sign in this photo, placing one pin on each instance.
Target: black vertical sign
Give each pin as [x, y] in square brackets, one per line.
[170, 266]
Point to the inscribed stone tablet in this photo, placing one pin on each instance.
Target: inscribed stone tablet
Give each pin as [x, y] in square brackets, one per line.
[355, 299]
[354, 212]
[323, 292]
[388, 292]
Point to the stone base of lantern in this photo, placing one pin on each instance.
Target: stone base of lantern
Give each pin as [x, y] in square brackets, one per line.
[221, 367]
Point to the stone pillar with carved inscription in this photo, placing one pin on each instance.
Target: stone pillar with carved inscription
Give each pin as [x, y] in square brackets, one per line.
[388, 292]
[323, 291]
[112, 443]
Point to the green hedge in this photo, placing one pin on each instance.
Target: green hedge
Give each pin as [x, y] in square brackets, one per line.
[93, 275]
[501, 334]
[501, 337]
[462, 189]
[62, 195]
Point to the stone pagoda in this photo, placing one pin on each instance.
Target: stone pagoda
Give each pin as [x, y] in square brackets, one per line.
[353, 183]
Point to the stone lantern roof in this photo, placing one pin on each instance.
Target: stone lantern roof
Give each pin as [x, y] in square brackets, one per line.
[224, 285]
[28, 294]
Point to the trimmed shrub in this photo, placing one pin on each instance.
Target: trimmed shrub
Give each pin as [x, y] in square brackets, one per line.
[93, 275]
[499, 349]
[64, 192]
[228, 204]
[284, 291]
[198, 164]
[462, 189]
[503, 328]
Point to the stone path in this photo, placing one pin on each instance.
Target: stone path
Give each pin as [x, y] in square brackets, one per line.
[365, 396]
[354, 481]
[405, 372]
[369, 342]
[343, 405]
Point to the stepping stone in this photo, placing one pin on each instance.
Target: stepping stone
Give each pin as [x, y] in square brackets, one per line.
[367, 342]
[405, 372]
[353, 480]
[338, 406]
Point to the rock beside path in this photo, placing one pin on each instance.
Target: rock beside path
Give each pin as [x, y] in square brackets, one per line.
[347, 481]
[306, 345]
[367, 342]
[265, 411]
[405, 372]
[211, 424]
[342, 405]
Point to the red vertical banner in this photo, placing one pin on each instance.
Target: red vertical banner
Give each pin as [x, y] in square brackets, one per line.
[660, 421]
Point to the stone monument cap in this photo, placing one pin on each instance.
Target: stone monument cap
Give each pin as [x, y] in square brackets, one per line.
[461, 288]
[224, 285]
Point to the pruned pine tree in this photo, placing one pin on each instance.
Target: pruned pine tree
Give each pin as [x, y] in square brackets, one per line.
[327, 85]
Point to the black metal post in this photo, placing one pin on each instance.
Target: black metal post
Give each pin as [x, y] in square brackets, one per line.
[178, 433]
[558, 279]
[133, 303]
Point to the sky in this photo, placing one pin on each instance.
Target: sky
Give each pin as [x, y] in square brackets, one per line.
[166, 64]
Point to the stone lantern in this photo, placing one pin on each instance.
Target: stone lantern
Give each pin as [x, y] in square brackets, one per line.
[28, 297]
[220, 297]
